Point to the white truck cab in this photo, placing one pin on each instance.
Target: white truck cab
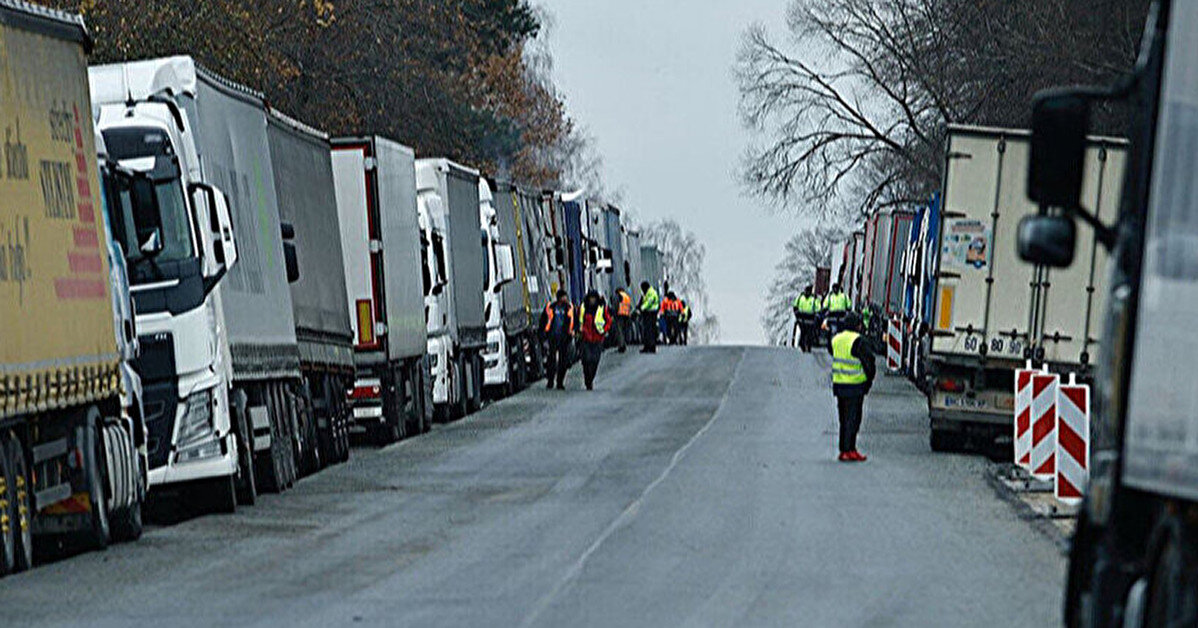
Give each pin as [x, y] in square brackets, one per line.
[497, 370]
[432, 228]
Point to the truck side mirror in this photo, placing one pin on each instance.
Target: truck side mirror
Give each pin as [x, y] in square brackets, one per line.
[506, 264]
[290, 259]
[1060, 121]
[227, 249]
[1047, 239]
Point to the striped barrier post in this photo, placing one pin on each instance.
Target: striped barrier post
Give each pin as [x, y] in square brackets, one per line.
[894, 346]
[1073, 441]
[1044, 425]
[1023, 416]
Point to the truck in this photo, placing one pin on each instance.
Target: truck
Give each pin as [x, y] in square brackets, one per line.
[618, 260]
[992, 312]
[883, 291]
[386, 280]
[500, 372]
[303, 177]
[573, 209]
[220, 361]
[1132, 558]
[520, 224]
[71, 429]
[447, 195]
[919, 264]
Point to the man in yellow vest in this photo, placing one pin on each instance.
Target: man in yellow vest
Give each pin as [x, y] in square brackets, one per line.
[806, 306]
[835, 305]
[853, 373]
[647, 308]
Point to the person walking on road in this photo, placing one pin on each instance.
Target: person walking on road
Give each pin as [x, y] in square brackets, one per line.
[595, 323]
[647, 309]
[853, 374]
[806, 306]
[559, 330]
[623, 318]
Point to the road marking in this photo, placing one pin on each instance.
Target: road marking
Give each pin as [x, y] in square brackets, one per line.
[631, 510]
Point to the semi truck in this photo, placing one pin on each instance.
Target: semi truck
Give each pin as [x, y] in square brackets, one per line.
[220, 361]
[919, 265]
[303, 177]
[992, 312]
[386, 281]
[71, 432]
[518, 212]
[500, 374]
[449, 198]
[651, 266]
[1132, 558]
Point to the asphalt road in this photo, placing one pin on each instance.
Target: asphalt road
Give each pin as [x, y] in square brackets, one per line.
[696, 487]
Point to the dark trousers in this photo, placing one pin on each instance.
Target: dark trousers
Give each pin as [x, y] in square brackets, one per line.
[649, 332]
[684, 332]
[622, 333]
[671, 329]
[850, 410]
[591, 352]
[806, 333]
[558, 359]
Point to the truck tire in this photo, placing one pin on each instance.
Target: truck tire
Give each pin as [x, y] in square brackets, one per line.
[457, 376]
[247, 486]
[1172, 600]
[127, 523]
[88, 440]
[272, 467]
[475, 381]
[220, 495]
[22, 504]
[419, 424]
[943, 441]
[426, 394]
[8, 513]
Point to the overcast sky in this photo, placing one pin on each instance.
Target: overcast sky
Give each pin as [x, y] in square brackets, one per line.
[652, 81]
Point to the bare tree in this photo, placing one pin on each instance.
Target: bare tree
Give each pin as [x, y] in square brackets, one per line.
[682, 257]
[804, 252]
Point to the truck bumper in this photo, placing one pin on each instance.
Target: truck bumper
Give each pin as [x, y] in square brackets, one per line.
[219, 466]
[995, 408]
[495, 359]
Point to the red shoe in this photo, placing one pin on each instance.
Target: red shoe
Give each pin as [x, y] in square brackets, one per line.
[846, 456]
[857, 456]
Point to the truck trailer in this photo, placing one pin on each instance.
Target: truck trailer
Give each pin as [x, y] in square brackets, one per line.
[220, 361]
[518, 211]
[386, 280]
[992, 312]
[72, 440]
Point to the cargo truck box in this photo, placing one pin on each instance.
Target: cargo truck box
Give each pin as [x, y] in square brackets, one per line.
[516, 299]
[467, 263]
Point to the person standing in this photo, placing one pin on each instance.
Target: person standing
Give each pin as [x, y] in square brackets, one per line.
[684, 323]
[835, 305]
[853, 372]
[670, 309]
[623, 318]
[806, 305]
[559, 330]
[595, 323]
[647, 309]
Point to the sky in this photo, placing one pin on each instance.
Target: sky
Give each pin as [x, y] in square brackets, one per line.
[652, 81]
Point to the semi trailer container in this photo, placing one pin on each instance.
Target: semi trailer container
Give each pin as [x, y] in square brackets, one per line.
[992, 311]
[303, 177]
[451, 201]
[223, 388]
[573, 215]
[884, 273]
[71, 432]
[618, 260]
[500, 373]
[520, 224]
[386, 280]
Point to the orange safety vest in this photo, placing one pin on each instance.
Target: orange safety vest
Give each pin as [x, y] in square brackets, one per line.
[625, 308]
[549, 314]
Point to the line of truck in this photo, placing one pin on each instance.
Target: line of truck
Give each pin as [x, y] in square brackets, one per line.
[205, 297]
[969, 310]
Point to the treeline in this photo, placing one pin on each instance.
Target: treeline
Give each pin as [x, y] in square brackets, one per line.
[451, 78]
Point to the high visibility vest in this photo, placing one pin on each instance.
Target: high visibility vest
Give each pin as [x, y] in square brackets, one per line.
[836, 302]
[807, 304]
[625, 305]
[600, 320]
[685, 316]
[550, 313]
[650, 302]
[846, 368]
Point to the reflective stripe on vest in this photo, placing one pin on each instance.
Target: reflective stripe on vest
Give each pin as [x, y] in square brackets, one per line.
[600, 321]
[846, 368]
[837, 302]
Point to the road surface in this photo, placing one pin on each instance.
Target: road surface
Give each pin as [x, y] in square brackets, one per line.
[696, 487]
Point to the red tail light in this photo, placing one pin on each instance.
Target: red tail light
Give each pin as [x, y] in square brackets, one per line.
[365, 392]
[948, 384]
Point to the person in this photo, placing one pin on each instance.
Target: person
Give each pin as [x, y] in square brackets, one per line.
[559, 330]
[623, 318]
[806, 306]
[670, 309]
[647, 309]
[853, 372]
[595, 323]
[684, 322]
[835, 305]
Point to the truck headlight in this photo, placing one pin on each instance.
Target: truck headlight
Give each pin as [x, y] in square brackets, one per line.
[196, 434]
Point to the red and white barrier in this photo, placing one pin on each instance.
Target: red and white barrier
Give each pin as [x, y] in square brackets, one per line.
[1023, 416]
[894, 345]
[1044, 425]
[1073, 441]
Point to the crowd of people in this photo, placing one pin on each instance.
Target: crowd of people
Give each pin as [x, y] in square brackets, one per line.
[587, 328]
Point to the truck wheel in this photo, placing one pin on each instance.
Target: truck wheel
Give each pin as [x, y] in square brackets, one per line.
[127, 523]
[22, 504]
[87, 439]
[474, 379]
[220, 495]
[247, 487]
[457, 376]
[945, 441]
[271, 467]
[8, 513]
[1171, 595]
